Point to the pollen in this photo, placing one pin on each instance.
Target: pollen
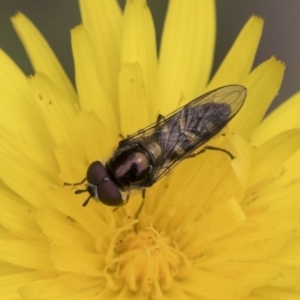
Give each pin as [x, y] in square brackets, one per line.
[146, 261]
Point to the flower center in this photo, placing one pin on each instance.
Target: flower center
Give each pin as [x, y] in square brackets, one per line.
[146, 261]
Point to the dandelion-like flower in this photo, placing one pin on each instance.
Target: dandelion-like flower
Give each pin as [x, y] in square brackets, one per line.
[214, 228]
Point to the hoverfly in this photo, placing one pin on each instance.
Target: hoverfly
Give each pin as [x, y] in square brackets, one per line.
[146, 156]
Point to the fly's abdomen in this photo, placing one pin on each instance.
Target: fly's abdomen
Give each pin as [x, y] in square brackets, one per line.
[204, 119]
[192, 127]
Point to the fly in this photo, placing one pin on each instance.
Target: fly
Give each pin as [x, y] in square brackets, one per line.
[146, 156]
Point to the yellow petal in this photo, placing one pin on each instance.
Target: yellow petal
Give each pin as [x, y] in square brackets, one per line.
[139, 46]
[272, 154]
[201, 175]
[176, 293]
[241, 151]
[291, 169]
[96, 139]
[271, 213]
[103, 21]
[9, 269]
[289, 256]
[221, 220]
[285, 117]
[22, 179]
[262, 86]
[92, 218]
[71, 161]
[41, 55]
[70, 259]
[186, 53]
[247, 244]
[15, 148]
[133, 99]
[92, 94]
[26, 171]
[288, 278]
[95, 143]
[224, 218]
[10, 284]
[227, 289]
[58, 112]
[19, 114]
[67, 286]
[18, 218]
[269, 293]
[254, 274]
[62, 230]
[29, 254]
[238, 62]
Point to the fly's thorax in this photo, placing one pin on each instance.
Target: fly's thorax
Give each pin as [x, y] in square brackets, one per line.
[153, 149]
[129, 166]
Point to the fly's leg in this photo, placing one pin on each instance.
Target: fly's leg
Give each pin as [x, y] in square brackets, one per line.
[159, 119]
[142, 204]
[210, 148]
[140, 209]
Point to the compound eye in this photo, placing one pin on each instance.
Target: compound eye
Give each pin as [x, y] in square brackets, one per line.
[101, 187]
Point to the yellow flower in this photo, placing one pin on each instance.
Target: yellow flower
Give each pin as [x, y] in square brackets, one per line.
[214, 228]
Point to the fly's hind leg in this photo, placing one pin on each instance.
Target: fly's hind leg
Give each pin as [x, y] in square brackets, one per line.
[210, 148]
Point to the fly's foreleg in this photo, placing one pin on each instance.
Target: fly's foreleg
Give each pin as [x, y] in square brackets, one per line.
[125, 202]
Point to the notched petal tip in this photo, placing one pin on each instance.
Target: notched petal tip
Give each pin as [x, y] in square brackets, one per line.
[41, 55]
[16, 16]
[138, 45]
[92, 94]
[274, 59]
[263, 84]
[239, 60]
[258, 18]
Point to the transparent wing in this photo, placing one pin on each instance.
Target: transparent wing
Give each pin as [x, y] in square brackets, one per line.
[180, 133]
